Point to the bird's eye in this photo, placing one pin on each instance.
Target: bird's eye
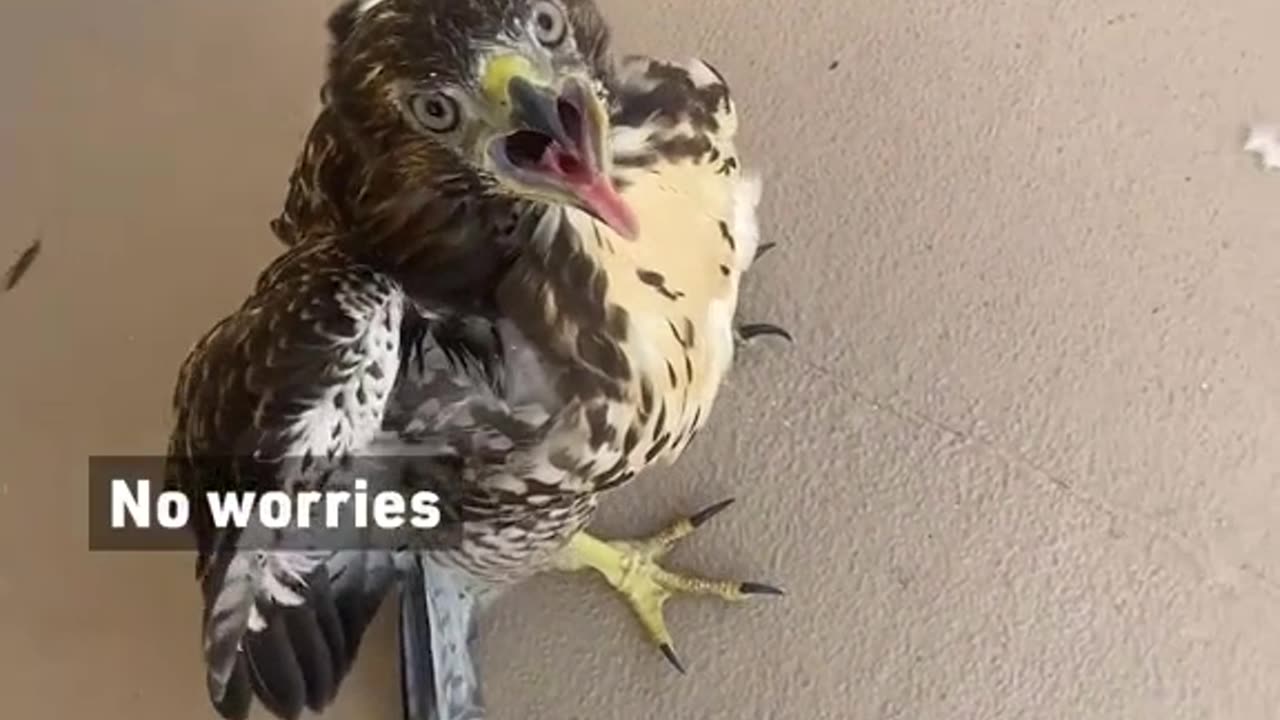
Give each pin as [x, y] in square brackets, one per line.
[549, 25]
[436, 111]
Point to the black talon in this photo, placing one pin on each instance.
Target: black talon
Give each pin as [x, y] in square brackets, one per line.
[705, 514]
[763, 249]
[670, 653]
[750, 330]
[752, 588]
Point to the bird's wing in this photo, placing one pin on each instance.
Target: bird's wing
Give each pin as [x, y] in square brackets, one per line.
[274, 397]
[325, 371]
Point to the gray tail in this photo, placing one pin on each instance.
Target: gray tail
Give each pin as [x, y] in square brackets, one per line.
[439, 679]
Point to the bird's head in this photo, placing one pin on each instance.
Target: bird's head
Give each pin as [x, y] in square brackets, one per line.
[493, 96]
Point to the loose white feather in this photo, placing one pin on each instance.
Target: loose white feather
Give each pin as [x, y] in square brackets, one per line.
[1264, 141]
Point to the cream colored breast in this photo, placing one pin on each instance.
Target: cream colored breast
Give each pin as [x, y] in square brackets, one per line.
[678, 282]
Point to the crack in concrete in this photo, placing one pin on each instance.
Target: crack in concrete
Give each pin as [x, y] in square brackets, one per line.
[1212, 572]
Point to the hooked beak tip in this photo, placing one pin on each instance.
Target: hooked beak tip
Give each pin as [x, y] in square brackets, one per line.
[602, 200]
[627, 229]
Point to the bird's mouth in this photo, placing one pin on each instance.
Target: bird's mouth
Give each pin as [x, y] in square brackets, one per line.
[559, 148]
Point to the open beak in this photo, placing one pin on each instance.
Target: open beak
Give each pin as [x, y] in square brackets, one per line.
[558, 145]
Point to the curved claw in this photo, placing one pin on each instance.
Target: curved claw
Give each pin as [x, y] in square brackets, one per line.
[755, 588]
[763, 249]
[752, 330]
[705, 514]
[670, 654]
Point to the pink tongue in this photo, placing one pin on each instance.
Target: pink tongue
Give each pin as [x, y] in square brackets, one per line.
[596, 193]
[566, 165]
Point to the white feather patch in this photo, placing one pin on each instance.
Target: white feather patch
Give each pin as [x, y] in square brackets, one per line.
[746, 229]
[1264, 141]
[630, 141]
[720, 316]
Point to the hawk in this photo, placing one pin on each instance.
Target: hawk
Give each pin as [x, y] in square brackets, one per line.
[511, 279]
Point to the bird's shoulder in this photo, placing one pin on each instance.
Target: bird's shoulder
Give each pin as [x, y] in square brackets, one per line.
[318, 331]
[672, 112]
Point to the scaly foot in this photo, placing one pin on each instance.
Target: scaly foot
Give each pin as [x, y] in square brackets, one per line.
[631, 567]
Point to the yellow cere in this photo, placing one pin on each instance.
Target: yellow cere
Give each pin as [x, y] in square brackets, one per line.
[498, 73]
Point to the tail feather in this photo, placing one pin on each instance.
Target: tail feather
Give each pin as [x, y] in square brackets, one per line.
[439, 679]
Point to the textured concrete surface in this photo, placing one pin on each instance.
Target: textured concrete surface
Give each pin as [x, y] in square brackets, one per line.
[1023, 462]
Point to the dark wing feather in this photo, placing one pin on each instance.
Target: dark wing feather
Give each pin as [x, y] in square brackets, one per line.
[275, 397]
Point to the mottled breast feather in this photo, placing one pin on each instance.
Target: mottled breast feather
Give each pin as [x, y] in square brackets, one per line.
[641, 331]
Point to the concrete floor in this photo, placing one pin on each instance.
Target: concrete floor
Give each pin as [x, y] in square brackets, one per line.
[1023, 462]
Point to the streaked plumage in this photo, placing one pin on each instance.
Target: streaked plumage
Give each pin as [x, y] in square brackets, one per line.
[514, 356]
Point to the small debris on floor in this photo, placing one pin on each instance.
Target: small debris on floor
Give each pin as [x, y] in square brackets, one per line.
[23, 264]
[1264, 141]
[834, 64]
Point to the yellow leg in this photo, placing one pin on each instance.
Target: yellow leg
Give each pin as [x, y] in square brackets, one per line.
[631, 567]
